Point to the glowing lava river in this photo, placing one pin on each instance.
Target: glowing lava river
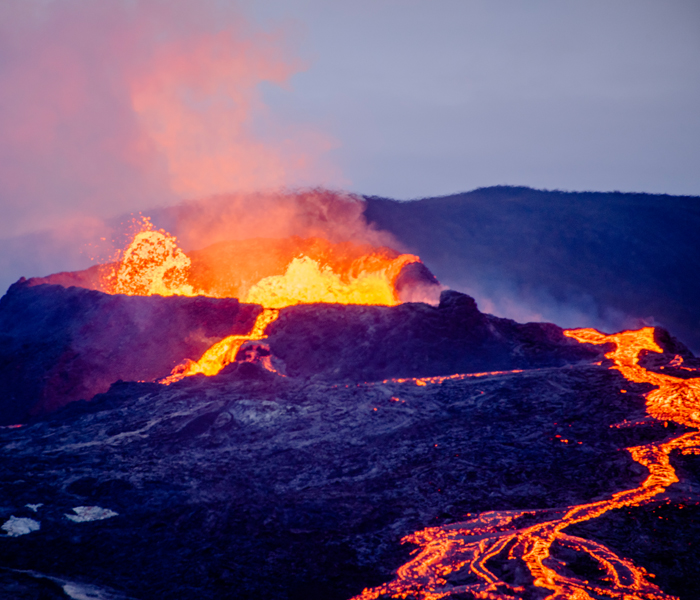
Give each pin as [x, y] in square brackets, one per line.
[467, 547]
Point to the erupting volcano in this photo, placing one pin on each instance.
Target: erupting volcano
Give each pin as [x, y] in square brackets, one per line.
[322, 272]
[274, 417]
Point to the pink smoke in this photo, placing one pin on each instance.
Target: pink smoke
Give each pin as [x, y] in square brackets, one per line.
[115, 106]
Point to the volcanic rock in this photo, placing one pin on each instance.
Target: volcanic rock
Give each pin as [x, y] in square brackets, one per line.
[61, 344]
[370, 343]
[276, 488]
[58, 345]
[256, 485]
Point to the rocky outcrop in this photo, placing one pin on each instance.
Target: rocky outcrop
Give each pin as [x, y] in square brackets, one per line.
[58, 345]
[370, 343]
[61, 344]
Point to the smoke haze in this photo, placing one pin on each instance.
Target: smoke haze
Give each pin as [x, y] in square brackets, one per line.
[114, 106]
[580, 259]
[334, 216]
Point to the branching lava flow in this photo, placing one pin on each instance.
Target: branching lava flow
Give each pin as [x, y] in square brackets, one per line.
[468, 546]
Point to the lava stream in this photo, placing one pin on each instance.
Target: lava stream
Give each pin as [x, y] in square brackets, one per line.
[223, 352]
[465, 548]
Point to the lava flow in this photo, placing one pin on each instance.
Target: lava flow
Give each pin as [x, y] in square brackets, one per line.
[464, 549]
[154, 264]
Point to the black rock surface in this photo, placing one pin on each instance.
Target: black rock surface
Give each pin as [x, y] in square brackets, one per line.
[369, 343]
[253, 485]
[59, 345]
[267, 487]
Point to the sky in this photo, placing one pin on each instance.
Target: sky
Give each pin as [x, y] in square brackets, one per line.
[114, 106]
[431, 98]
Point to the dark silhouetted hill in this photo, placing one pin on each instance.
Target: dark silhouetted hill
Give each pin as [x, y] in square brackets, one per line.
[609, 260]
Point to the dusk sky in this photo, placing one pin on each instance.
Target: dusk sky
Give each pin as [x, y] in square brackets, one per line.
[114, 106]
[428, 98]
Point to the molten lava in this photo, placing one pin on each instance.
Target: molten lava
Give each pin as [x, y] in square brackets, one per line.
[306, 282]
[341, 274]
[465, 548]
[152, 264]
[223, 352]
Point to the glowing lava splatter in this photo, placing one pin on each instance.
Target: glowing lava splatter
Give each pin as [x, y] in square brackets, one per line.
[154, 264]
[306, 282]
[465, 548]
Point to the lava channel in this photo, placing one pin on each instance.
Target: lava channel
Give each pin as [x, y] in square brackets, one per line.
[465, 548]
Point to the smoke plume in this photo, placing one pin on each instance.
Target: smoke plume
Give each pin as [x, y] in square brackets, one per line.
[334, 216]
[114, 106]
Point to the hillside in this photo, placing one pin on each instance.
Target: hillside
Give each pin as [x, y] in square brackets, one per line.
[610, 260]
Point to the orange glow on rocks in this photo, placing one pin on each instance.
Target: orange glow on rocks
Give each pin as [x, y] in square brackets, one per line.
[337, 273]
[466, 547]
[424, 381]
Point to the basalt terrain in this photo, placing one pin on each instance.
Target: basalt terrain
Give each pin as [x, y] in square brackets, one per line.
[60, 345]
[309, 418]
[377, 424]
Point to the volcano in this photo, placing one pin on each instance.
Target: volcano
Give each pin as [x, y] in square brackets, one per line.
[299, 419]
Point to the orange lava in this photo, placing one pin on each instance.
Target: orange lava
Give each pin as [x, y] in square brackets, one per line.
[466, 547]
[230, 269]
[424, 381]
[341, 274]
[152, 264]
[223, 352]
[307, 282]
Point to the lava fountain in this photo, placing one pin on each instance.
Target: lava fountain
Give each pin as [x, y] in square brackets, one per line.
[307, 271]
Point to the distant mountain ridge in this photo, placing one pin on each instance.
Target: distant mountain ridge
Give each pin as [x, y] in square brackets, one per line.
[606, 259]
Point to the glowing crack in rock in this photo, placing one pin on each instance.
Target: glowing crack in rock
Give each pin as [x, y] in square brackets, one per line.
[464, 549]
[83, 514]
[16, 526]
[424, 381]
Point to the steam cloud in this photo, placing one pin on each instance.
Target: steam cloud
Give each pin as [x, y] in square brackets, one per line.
[335, 216]
[115, 106]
